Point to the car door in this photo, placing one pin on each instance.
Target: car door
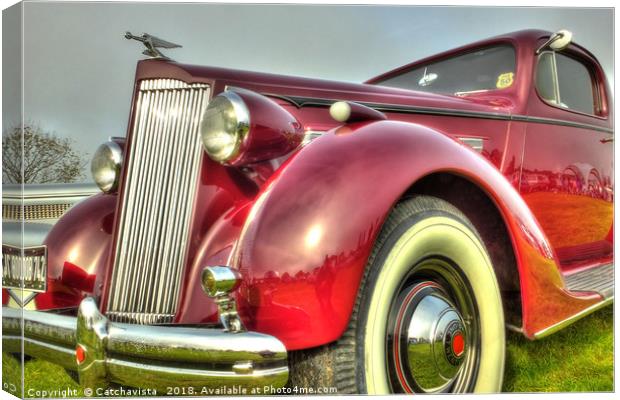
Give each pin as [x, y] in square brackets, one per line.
[567, 170]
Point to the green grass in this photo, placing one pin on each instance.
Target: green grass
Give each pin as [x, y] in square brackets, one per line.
[39, 376]
[576, 359]
[579, 358]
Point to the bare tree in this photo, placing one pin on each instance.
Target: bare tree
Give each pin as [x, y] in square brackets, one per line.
[46, 158]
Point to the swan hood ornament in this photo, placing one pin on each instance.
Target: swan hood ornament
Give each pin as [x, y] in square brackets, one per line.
[152, 45]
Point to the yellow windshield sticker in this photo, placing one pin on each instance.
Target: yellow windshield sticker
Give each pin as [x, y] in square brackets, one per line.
[504, 80]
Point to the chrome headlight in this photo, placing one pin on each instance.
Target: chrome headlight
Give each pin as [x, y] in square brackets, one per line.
[106, 166]
[225, 125]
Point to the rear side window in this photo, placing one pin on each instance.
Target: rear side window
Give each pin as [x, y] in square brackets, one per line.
[565, 82]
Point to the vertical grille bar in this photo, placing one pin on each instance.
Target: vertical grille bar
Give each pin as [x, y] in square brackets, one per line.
[158, 193]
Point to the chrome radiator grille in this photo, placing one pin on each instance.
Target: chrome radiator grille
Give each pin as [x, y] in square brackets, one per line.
[158, 194]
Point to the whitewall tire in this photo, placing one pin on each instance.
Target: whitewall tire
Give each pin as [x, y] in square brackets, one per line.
[428, 316]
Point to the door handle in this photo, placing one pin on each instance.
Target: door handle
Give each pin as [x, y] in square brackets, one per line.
[607, 140]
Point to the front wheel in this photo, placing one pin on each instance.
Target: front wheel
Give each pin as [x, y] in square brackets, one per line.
[428, 317]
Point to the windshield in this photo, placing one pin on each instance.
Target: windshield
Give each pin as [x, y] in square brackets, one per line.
[474, 72]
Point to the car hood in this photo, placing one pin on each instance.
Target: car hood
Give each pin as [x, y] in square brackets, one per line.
[303, 91]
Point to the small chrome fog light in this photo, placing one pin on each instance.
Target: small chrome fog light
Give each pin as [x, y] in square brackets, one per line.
[106, 166]
[218, 281]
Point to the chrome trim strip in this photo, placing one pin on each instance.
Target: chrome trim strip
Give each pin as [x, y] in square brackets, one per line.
[151, 356]
[58, 191]
[475, 143]
[552, 121]
[300, 101]
[158, 198]
[309, 136]
[568, 321]
[135, 374]
[21, 297]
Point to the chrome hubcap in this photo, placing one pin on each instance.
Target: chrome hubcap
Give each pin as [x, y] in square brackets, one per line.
[430, 346]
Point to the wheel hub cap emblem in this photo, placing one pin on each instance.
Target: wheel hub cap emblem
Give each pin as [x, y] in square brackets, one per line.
[454, 343]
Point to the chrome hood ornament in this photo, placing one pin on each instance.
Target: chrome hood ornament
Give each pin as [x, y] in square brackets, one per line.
[152, 43]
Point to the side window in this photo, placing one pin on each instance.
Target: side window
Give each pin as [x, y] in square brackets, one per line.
[545, 78]
[575, 82]
[565, 82]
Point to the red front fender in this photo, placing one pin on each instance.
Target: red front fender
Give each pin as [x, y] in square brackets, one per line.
[78, 248]
[305, 242]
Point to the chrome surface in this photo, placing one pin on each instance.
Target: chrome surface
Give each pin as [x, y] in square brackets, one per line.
[152, 44]
[36, 212]
[22, 298]
[309, 136]
[32, 234]
[48, 336]
[218, 282]
[42, 202]
[240, 130]
[107, 161]
[558, 41]
[427, 334]
[91, 334]
[432, 339]
[303, 101]
[24, 268]
[573, 318]
[157, 201]
[146, 356]
[599, 279]
[475, 143]
[55, 191]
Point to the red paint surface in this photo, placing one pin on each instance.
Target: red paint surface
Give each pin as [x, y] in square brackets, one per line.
[273, 131]
[77, 256]
[300, 229]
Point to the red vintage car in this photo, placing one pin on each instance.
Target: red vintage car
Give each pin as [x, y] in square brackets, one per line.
[257, 230]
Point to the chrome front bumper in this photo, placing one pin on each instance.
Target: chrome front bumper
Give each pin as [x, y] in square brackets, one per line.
[157, 357]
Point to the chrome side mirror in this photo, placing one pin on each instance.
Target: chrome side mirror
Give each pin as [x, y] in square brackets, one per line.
[558, 41]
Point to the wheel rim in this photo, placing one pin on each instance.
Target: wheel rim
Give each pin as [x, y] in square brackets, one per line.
[432, 332]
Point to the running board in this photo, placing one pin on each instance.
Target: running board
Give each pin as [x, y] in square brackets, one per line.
[597, 279]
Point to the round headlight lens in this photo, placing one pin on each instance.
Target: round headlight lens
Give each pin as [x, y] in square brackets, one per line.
[224, 126]
[106, 166]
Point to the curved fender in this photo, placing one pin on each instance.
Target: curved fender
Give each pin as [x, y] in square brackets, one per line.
[306, 240]
[78, 247]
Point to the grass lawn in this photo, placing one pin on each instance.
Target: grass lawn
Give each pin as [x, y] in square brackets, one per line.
[579, 358]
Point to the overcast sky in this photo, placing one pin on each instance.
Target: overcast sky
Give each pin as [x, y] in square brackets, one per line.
[79, 69]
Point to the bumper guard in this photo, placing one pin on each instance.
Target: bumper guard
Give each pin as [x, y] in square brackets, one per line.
[145, 356]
